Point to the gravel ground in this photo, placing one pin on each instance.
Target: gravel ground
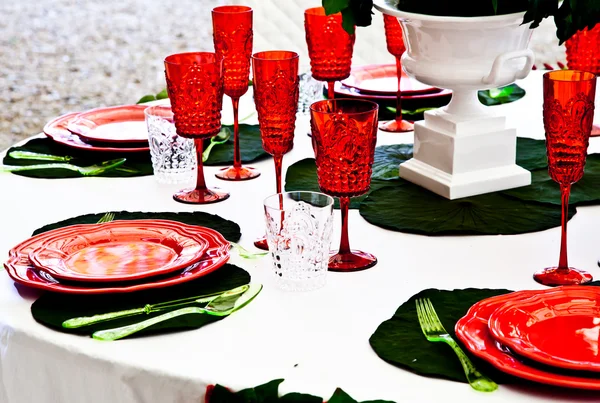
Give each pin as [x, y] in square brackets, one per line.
[66, 55]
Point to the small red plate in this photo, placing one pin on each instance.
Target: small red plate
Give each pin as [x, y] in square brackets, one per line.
[381, 79]
[116, 124]
[56, 129]
[558, 327]
[120, 250]
[21, 270]
[473, 331]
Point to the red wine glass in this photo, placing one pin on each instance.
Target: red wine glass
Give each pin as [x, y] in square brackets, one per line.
[195, 88]
[568, 114]
[344, 133]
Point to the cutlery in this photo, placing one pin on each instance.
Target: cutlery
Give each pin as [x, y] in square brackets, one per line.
[434, 331]
[82, 321]
[246, 254]
[91, 170]
[107, 217]
[222, 305]
[214, 142]
[28, 155]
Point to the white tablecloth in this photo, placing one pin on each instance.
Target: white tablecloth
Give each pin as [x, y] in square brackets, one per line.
[317, 341]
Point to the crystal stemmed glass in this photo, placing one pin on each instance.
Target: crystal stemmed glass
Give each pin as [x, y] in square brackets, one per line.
[276, 82]
[583, 53]
[195, 88]
[329, 47]
[344, 133]
[232, 35]
[568, 114]
[395, 45]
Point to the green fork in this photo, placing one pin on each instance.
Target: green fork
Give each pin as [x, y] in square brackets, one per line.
[434, 331]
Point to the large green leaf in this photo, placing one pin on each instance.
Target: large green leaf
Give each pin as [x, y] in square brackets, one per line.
[388, 159]
[544, 189]
[502, 95]
[406, 207]
[531, 154]
[250, 146]
[339, 396]
[266, 393]
[302, 175]
[334, 6]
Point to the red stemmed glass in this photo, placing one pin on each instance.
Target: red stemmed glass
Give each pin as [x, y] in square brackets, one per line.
[195, 88]
[395, 45]
[232, 35]
[344, 133]
[329, 47]
[275, 78]
[583, 53]
[568, 114]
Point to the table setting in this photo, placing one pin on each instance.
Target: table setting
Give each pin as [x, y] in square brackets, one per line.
[149, 257]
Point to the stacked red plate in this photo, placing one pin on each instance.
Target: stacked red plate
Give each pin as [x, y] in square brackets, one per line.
[112, 129]
[550, 336]
[117, 257]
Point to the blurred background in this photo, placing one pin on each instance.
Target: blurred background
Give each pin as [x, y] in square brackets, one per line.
[61, 56]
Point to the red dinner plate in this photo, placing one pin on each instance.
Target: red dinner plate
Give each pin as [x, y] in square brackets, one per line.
[56, 129]
[120, 250]
[343, 91]
[115, 124]
[473, 331]
[558, 327]
[381, 79]
[21, 270]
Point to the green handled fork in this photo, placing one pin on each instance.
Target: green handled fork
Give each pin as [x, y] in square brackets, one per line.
[434, 331]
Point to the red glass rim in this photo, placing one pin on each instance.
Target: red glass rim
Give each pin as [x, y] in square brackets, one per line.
[569, 75]
[190, 58]
[231, 10]
[275, 55]
[346, 106]
[318, 11]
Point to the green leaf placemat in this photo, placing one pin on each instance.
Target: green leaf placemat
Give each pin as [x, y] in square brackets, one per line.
[52, 309]
[137, 164]
[229, 229]
[250, 147]
[502, 95]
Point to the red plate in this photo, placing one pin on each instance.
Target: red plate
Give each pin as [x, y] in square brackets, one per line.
[473, 331]
[381, 79]
[348, 92]
[116, 124]
[21, 270]
[56, 129]
[122, 250]
[558, 327]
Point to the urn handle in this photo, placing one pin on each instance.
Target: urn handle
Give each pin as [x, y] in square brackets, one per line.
[500, 61]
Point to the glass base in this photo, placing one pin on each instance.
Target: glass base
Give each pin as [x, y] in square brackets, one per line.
[261, 243]
[394, 126]
[553, 276]
[354, 261]
[306, 284]
[237, 174]
[595, 131]
[204, 196]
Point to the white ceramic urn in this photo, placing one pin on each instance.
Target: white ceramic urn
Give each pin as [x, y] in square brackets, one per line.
[464, 148]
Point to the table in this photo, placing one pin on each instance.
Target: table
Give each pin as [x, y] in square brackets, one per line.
[317, 341]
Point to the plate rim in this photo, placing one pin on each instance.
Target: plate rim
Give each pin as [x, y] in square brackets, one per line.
[347, 82]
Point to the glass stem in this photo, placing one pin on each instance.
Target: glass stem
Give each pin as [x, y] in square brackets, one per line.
[565, 190]
[278, 161]
[330, 89]
[344, 242]
[237, 157]
[200, 183]
[399, 92]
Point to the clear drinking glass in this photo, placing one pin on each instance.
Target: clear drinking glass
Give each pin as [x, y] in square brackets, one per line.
[173, 157]
[299, 228]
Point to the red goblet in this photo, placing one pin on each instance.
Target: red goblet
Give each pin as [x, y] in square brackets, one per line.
[195, 88]
[329, 47]
[395, 45]
[583, 53]
[275, 78]
[344, 133]
[568, 114]
[232, 35]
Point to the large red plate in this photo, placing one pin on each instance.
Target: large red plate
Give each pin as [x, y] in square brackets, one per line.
[21, 270]
[116, 124]
[348, 92]
[122, 250]
[381, 79]
[473, 331]
[56, 129]
[558, 327]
